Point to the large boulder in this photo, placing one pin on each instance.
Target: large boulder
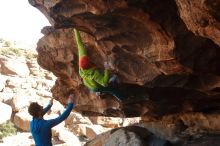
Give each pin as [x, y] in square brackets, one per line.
[2, 82]
[6, 96]
[76, 118]
[5, 112]
[90, 131]
[20, 139]
[129, 136]
[131, 121]
[22, 121]
[14, 82]
[67, 137]
[19, 101]
[13, 67]
[93, 130]
[124, 138]
[110, 122]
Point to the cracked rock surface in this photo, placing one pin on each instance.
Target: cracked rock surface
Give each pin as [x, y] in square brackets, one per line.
[165, 53]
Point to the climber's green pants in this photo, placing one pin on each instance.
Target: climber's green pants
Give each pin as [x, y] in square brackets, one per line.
[111, 90]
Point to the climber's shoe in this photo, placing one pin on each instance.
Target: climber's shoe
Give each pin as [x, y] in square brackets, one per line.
[113, 79]
[98, 93]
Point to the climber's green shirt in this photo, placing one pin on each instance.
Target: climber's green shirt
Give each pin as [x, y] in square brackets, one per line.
[92, 78]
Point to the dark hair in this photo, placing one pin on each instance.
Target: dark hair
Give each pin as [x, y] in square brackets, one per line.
[35, 109]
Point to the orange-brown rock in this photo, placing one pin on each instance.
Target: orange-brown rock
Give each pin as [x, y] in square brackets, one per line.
[201, 17]
[145, 49]
[165, 53]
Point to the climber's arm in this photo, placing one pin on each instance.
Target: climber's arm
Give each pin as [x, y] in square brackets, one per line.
[47, 108]
[81, 48]
[53, 122]
[106, 77]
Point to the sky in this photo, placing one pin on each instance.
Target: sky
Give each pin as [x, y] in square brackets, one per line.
[21, 22]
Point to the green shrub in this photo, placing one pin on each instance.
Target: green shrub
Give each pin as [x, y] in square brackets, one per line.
[7, 129]
[11, 51]
[7, 44]
[82, 138]
[16, 51]
[30, 55]
[3, 51]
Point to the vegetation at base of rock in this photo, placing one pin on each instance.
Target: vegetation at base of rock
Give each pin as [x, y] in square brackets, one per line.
[9, 48]
[11, 51]
[7, 129]
[30, 55]
[83, 138]
[17, 52]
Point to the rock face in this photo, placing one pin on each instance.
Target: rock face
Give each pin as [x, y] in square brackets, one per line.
[129, 136]
[201, 17]
[22, 121]
[166, 54]
[17, 92]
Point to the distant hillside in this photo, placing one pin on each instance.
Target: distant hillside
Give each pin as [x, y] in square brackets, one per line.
[17, 44]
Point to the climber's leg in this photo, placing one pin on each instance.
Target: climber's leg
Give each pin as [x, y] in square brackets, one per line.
[113, 91]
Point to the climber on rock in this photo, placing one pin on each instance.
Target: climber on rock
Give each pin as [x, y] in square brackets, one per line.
[40, 128]
[92, 78]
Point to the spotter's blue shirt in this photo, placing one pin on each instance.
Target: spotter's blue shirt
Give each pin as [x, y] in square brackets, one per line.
[41, 129]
